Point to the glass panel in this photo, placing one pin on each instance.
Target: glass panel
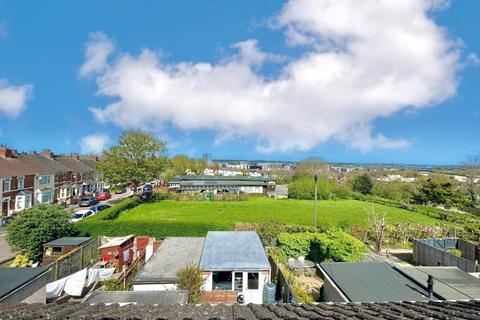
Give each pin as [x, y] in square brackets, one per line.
[253, 281]
[222, 280]
[238, 282]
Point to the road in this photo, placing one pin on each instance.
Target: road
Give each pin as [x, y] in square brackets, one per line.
[113, 200]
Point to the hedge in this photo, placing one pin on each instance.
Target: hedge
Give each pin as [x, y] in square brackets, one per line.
[332, 245]
[114, 211]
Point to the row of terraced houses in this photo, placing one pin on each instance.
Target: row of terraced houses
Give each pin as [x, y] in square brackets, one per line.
[29, 179]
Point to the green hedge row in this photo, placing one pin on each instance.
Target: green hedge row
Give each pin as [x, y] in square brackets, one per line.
[332, 245]
[114, 211]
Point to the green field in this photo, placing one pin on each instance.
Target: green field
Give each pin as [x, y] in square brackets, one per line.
[195, 218]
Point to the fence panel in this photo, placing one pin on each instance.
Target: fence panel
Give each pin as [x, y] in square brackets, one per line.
[432, 252]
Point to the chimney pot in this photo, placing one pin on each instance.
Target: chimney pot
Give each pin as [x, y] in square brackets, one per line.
[6, 152]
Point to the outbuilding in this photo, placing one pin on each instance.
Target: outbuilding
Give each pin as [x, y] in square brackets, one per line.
[23, 285]
[119, 251]
[54, 249]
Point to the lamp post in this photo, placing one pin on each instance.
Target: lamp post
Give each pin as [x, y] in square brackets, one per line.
[315, 177]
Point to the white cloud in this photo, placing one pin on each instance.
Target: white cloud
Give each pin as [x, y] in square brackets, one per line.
[94, 143]
[473, 59]
[13, 99]
[363, 60]
[98, 49]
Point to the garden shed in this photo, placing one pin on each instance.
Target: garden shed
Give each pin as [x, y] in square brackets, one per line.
[119, 251]
[54, 249]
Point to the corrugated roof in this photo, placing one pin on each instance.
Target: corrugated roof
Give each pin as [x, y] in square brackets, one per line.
[117, 241]
[233, 250]
[13, 278]
[173, 254]
[68, 241]
[372, 282]
[450, 283]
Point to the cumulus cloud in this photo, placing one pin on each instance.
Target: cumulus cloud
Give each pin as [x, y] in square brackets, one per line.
[98, 49]
[13, 99]
[362, 60]
[94, 143]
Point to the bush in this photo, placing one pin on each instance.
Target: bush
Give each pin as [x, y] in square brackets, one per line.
[113, 212]
[303, 188]
[362, 183]
[38, 225]
[190, 278]
[21, 260]
[332, 245]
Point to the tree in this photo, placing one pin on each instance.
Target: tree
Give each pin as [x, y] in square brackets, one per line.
[181, 164]
[138, 158]
[439, 191]
[310, 167]
[471, 169]
[38, 225]
[377, 226]
[190, 278]
[362, 183]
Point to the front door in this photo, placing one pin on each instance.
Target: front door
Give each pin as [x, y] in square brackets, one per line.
[5, 207]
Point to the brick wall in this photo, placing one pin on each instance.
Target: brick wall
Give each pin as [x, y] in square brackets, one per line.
[218, 296]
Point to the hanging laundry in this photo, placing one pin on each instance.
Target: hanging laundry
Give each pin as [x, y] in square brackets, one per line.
[126, 255]
[102, 274]
[55, 289]
[75, 283]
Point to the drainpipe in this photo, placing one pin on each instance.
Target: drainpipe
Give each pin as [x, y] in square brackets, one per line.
[430, 286]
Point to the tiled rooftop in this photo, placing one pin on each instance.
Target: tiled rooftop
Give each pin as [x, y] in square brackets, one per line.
[392, 310]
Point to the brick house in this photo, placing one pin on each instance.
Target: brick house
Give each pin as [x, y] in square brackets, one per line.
[17, 183]
[84, 177]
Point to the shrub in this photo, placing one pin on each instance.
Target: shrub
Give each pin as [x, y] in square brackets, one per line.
[190, 278]
[38, 225]
[362, 183]
[332, 245]
[21, 260]
[113, 212]
[303, 188]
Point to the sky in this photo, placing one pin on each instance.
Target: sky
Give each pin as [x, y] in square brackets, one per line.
[381, 81]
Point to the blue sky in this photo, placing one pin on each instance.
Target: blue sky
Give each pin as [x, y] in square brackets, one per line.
[43, 47]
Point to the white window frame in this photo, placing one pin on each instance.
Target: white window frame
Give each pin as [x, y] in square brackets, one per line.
[64, 192]
[42, 195]
[40, 180]
[9, 180]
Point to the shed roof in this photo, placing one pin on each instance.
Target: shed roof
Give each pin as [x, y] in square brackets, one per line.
[68, 241]
[372, 282]
[450, 283]
[173, 254]
[14, 278]
[233, 250]
[138, 297]
[117, 241]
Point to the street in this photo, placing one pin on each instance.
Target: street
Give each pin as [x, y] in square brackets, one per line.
[113, 200]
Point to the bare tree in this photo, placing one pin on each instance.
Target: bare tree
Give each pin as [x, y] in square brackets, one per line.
[377, 225]
[471, 170]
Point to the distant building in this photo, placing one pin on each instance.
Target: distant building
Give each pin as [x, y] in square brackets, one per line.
[216, 184]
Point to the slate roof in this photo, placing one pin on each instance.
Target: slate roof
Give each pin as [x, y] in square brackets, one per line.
[12, 167]
[52, 163]
[221, 181]
[90, 162]
[392, 310]
[233, 250]
[73, 164]
[173, 254]
[14, 278]
[37, 166]
[372, 281]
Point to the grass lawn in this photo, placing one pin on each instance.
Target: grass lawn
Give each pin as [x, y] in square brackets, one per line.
[195, 218]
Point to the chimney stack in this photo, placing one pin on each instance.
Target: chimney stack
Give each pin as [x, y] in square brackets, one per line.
[6, 152]
[430, 286]
[75, 156]
[47, 153]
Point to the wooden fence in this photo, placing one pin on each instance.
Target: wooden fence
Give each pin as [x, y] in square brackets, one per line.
[285, 291]
[74, 261]
[136, 265]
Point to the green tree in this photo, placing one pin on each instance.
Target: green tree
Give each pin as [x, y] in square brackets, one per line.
[362, 183]
[37, 225]
[310, 167]
[138, 158]
[304, 188]
[440, 191]
[190, 278]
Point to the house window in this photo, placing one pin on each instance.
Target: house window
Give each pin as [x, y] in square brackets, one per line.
[222, 280]
[22, 201]
[45, 197]
[43, 180]
[74, 191]
[21, 183]
[6, 185]
[64, 193]
[252, 281]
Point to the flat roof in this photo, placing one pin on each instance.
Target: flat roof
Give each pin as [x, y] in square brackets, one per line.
[13, 278]
[138, 297]
[173, 254]
[450, 283]
[233, 250]
[68, 241]
[372, 282]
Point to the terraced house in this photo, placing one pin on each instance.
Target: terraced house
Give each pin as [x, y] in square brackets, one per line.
[28, 179]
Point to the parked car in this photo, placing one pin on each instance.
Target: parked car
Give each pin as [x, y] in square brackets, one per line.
[104, 196]
[79, 215]
[88, 201]
[99, 207]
